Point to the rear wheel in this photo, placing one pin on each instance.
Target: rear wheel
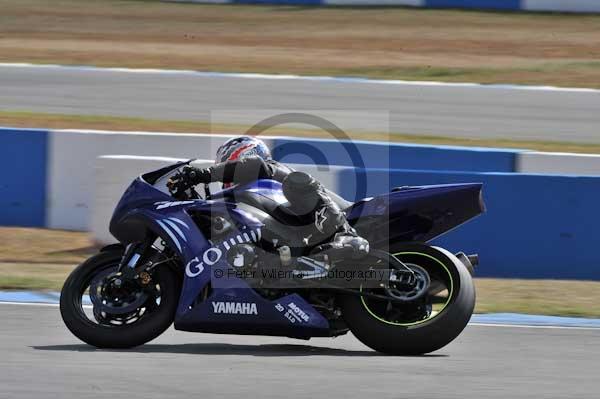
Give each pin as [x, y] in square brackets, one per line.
[123, 315]
[425, 324]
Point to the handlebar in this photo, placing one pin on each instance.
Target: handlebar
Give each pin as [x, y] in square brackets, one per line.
[189, 192]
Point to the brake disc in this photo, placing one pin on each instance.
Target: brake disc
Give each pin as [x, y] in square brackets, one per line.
[115, 299]
[409, 292]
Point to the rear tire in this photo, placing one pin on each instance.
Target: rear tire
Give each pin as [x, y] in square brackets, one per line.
[137, 333]
[424, 336]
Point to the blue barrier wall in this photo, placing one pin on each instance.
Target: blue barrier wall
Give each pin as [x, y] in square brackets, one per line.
[535, 227]
[395, 156]
[23, 156]
[484, 4]
[580, 6]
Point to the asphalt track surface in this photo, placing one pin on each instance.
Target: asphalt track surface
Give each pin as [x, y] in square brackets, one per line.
[417, 108]
[39, 358]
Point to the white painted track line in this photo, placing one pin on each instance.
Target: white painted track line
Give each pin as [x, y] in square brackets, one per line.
[476, 324]
[300, 77]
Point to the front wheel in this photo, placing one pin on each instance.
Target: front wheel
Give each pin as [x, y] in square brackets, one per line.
[421, 326]
[120, 317]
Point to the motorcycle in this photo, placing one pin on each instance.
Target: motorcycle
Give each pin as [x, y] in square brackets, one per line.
[199, 262]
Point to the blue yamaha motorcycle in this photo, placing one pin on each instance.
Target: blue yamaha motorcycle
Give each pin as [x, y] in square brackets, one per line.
[237, 262]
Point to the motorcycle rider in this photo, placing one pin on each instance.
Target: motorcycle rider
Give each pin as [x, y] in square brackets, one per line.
[245, 159]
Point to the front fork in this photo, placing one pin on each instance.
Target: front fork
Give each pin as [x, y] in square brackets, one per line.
[140, 258]
[131, 287]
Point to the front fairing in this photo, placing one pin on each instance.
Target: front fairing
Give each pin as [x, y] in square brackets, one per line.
[144, 208]
[139, 195]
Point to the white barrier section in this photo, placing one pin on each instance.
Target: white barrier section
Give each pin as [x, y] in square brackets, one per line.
[112, 174]
[72, 155]
[412, 3]
[561, 5]
[558, 163]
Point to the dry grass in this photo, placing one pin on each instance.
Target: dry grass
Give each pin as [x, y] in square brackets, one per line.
[548, 297]
[446, 45]
[19, 244]
[38, 259]
[33, 276]
[61, 121]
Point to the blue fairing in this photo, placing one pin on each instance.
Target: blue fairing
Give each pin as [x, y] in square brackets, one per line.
[419, 213]
[269, 188]
[145, 207]
[211, 303]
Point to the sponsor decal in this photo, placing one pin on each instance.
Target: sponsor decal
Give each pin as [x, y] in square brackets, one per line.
[248, 308]
[172, 226]
[293, 313]
[197, 265]
[214, 254]
[209, 258]
[320, 218]
[168, 204]
[299, 312]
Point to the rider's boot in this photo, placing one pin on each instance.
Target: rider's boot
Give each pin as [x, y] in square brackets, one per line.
[345, 245]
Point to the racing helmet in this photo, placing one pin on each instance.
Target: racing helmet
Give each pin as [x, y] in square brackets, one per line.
[242, 147]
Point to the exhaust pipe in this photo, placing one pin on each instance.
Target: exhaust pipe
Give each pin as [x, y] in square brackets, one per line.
[470, 261]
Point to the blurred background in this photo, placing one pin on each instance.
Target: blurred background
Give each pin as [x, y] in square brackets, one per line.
[531, 79]
[504, 92]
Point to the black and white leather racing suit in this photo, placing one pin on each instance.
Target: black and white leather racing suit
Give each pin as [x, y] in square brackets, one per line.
[307, 198]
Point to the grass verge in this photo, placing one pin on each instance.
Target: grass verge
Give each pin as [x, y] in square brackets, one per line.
[546, 297]
[63, 121]
[388, 43]
[39, 259]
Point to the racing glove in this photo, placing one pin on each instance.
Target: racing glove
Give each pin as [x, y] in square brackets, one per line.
[196, 176]
[188, 177]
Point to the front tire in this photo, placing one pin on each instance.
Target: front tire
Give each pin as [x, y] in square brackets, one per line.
[134, 332]
[421, 334]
